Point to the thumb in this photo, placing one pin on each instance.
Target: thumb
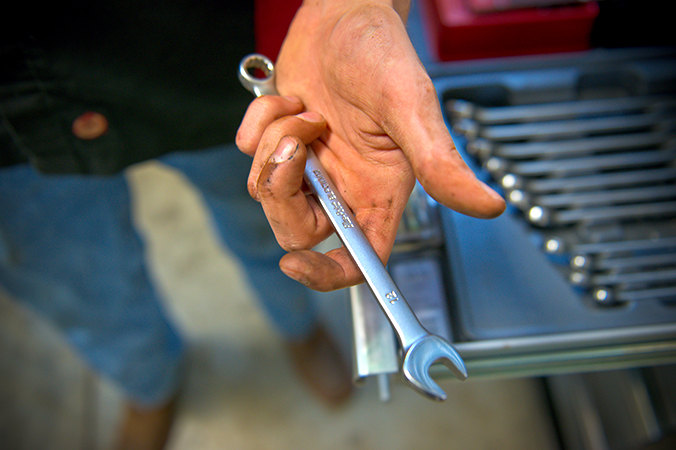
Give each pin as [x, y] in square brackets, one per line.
[423, 136]
[447, 178]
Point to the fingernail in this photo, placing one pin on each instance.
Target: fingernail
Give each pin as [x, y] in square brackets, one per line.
[285, 150]
[491, 191]
[311, 116]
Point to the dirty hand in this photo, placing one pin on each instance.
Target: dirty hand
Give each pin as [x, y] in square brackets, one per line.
[380, 128]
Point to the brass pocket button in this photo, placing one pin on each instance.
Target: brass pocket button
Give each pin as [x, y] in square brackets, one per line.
[90, 125]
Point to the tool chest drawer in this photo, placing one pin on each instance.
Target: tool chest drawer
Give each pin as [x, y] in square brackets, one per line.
[585, 155]
[578, 274]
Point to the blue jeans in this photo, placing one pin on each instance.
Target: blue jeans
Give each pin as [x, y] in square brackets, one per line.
[69, 251]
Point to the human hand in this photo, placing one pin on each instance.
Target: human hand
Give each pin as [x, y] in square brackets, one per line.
[380, 128]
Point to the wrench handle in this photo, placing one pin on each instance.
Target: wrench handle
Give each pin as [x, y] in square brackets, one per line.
[385, 290]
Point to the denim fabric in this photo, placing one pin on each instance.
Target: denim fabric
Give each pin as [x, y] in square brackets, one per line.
[69, 251]
[220, 174]
[71, 254]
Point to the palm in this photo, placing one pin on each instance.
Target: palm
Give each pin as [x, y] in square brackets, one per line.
[350, 91]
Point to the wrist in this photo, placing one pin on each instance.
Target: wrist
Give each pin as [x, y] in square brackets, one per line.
[402, 7]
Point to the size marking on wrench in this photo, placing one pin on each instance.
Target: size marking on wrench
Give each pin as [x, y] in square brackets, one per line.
[338, 208]
[420, 348]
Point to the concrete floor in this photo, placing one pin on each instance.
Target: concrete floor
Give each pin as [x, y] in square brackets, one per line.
[50, 400]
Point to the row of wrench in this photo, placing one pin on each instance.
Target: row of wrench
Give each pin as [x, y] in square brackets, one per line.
[577, 165]
[589, 167]
[626, 271]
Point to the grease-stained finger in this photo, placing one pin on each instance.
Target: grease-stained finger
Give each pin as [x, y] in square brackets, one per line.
[322, 272]
[296, 218]
[307, 127]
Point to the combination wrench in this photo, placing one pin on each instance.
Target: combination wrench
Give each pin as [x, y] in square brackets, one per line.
[485, 149]
[498, 115]
[420, 348]
[565, 129]
[598, 181]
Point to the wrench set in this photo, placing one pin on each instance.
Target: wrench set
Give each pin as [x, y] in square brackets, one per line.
[594, 178]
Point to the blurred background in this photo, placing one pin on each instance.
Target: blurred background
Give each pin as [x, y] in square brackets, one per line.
[50, 400]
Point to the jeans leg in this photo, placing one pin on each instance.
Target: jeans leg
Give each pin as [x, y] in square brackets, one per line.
[220, 174]
[70, 252]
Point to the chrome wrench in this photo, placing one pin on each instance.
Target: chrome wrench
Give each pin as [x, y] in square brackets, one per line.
[419, 347]
[497, 115]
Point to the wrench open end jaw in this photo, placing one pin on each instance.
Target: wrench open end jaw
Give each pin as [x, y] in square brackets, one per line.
[420, 357]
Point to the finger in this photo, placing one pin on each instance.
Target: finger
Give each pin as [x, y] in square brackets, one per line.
[261, 113]
[306, 127]
[336, 269]
[416, 124]
[447, 178]
[321, 272]
[296, 219]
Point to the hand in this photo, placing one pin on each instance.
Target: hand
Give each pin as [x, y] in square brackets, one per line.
[380, 128]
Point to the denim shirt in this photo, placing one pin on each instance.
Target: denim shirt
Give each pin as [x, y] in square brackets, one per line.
[163, 74]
